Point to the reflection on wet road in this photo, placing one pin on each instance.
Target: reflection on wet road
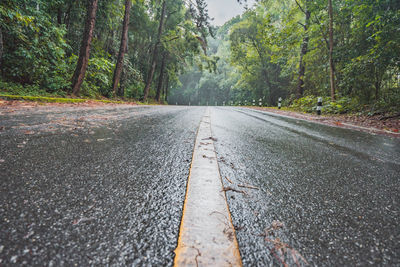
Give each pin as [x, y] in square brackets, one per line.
[106, 187]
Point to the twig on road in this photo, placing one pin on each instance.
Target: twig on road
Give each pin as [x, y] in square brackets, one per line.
[198, 255]
[210, 138]
[248, 186]
[228, 180]
[228, 188]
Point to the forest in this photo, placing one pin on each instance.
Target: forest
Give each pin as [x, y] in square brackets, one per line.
[168, 51]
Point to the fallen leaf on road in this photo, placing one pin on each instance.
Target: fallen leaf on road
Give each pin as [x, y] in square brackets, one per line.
[77, 221]
[29, 132]
[103, 139]
[280, 250]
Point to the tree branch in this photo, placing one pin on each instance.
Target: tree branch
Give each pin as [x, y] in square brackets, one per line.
[301, 24]
[301, 8]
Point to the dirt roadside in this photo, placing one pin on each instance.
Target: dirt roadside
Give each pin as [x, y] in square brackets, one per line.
[373, 124]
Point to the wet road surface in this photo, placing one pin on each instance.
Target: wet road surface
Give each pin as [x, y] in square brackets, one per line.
[328, 194]
[94, 192]
[106, 187]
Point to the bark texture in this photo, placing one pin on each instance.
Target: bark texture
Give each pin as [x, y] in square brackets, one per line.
[79, 74]
[155, 52]
[122, 49]
[161, 77]
[59, 15]
[166, 89]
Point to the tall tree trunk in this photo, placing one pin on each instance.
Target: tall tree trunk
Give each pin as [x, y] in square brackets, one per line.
[166, 89]
[303, 52]
[59, 15]
[161, 77]
[377, 89]
[331, 64]
[269, 84]
[122, 49]
[155, 52]
[67, 16]
[79, 74]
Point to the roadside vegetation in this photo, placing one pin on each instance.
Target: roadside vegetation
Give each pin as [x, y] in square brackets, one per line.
[99, 49]
[345, 51]
[299, 51]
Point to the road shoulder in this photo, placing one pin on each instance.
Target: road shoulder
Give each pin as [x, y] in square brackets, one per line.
[370, 124]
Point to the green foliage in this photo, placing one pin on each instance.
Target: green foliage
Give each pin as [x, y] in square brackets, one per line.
[98, 78]
[96, 67]
[42, 38]
[11, 88]
[252, 56]
[53, 99]
[34, 50]
[42, 99]
[132, 81]
[342, 105]
[264, 51]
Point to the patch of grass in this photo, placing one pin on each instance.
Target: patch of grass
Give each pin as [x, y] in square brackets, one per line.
[44, 99]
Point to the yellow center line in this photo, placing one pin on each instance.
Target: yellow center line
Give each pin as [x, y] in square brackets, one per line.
[207, 236]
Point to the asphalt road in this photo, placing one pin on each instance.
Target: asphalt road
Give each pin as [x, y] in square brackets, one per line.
[333, 193]
[94, 192]
[106, 186]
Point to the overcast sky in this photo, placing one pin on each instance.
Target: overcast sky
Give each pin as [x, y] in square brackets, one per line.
[224, 10]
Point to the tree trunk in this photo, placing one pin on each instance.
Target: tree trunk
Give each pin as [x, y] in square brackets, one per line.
[269, 84]
[79, 74]
[331, 64]
[166, 89]
[303, 52]
[67, 16]
[59, 15]
[122, 48]
[155, 52]
[377, 89]
[161, 77]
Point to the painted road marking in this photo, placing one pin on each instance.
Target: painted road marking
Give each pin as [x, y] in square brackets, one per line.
[206, 236]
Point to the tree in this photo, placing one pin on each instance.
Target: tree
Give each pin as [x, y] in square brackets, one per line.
[304, 49]
[155, 52]
[80, 70]
[122, 49]
[161, 76]
[331, 64]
